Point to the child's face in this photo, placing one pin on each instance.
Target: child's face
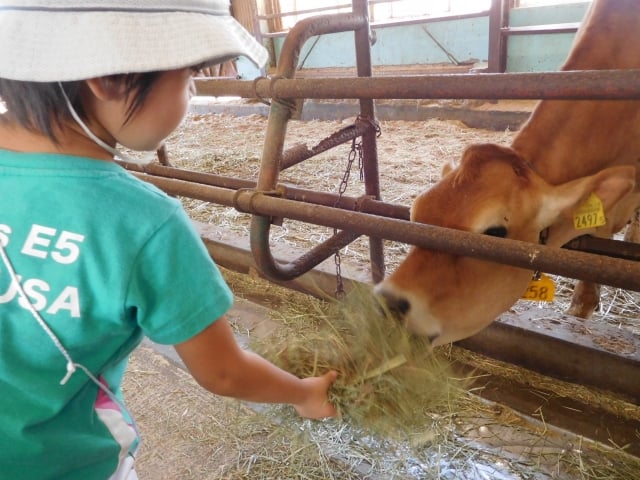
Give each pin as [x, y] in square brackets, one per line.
[161, 112]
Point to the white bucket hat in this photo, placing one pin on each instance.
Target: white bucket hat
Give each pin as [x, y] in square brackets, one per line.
[65, 40]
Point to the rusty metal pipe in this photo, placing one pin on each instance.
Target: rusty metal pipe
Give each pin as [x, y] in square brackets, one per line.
[280, 111]
[566, 85]
[369, 145]
[585, 266]
[272, 155]
[365, 89]
[189, 175]
[586, 243]
[605, 270]
[311, 27]
[301, 152]
[310, 259]
[345, 202]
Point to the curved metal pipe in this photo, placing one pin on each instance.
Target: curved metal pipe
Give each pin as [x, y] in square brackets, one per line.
[272, 155]
[310, 27]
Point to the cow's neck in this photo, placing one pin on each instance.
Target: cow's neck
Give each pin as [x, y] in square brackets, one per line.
[569, 139]
[565, 141]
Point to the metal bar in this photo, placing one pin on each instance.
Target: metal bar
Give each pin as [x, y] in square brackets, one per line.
[272, 156]
[403, 22]
[347, 5]
[345, 202]
[605, 246]
[232, 252]
[579, 357]
[271, 16]
[565, 85]
[304, 30]
[541, 29]
[312, 258]
[586, 243]
[301, 152]
[190, 175]
[370, 169]
[497, 43]
[616, 272]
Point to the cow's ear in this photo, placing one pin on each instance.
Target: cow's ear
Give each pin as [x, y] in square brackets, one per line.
[610, 185]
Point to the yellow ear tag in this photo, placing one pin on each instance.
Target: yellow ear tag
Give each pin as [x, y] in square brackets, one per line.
[540, 289]
[590, 214]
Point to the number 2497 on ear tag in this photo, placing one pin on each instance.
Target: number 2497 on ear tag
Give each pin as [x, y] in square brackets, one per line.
[540, 289]
[590, 214]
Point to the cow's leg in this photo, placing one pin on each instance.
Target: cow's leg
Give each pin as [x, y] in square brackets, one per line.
[632, 234]
[586, 297]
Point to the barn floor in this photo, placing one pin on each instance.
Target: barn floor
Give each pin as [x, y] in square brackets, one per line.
[190, 434]
[494, 115]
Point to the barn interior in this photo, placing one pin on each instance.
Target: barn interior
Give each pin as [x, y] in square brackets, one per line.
[264, 166]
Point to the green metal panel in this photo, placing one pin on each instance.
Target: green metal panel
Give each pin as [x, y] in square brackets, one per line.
[537, 53]
[447, 41]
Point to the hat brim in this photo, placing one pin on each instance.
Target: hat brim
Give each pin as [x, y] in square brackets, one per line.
[56, 46]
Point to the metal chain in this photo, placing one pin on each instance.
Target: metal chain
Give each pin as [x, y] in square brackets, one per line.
[356, 152]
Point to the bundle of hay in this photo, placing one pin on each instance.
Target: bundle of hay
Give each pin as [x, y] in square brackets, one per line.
[389, 382]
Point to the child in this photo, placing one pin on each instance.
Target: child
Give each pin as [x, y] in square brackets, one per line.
[92, 258]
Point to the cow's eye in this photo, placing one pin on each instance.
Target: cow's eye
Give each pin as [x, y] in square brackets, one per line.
[496, 232]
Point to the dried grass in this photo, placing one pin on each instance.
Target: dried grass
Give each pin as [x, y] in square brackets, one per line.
[456, 436]
[191, 435]
[388, 380]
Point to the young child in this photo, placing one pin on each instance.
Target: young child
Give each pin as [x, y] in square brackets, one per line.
[92, 258]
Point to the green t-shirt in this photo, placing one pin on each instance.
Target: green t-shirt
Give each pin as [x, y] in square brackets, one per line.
[105, 259]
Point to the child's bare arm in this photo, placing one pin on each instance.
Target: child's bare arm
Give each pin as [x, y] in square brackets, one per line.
[217, 362]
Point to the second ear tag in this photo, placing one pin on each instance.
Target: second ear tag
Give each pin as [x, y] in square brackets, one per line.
[540, 289]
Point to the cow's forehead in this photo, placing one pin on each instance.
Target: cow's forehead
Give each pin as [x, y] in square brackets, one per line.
[470, 197]
[482, 159]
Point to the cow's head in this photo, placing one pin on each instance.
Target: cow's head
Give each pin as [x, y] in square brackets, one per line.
[492, 192]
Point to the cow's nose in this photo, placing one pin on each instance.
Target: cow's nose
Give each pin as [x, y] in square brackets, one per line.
[395, 304]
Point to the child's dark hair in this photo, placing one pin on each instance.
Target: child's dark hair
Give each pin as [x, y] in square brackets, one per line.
[41, 107]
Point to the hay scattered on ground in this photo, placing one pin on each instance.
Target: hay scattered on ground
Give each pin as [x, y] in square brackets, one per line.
[192, 435]
[467, 438]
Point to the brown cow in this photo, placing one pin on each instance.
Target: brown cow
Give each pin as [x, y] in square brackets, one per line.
[566, 151]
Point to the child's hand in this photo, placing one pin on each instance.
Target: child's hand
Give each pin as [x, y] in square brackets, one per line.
[317, 404]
